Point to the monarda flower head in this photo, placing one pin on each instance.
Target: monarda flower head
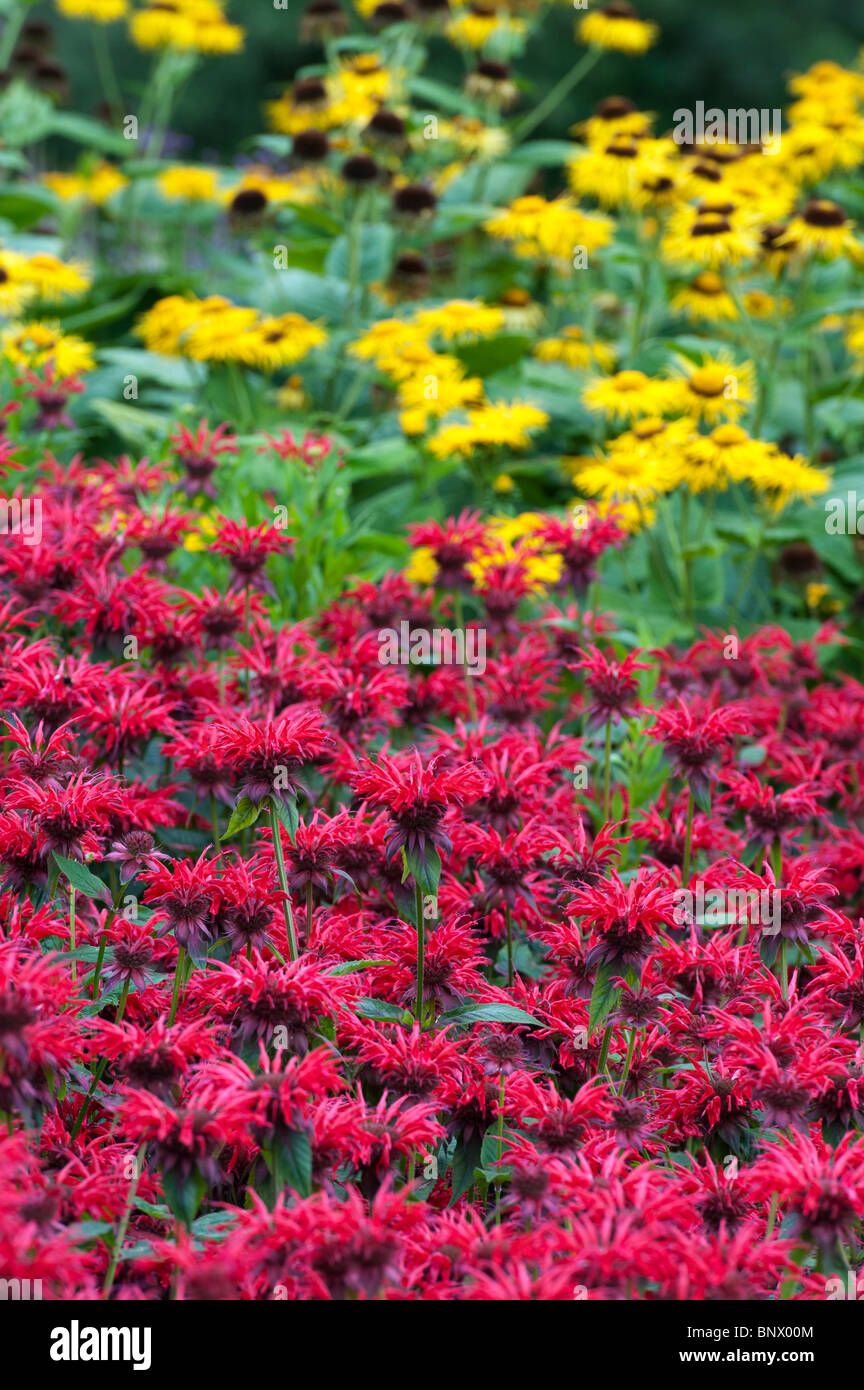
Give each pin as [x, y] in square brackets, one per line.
[266, 758]
[612, 685]
[696, 737]
[416, 798]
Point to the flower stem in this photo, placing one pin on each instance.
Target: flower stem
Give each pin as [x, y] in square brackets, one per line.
[283, 882]
[607, 761]
[120, 1234]
[688, 838]
[553, 98]
[178, 977]
[509, 947]
[421, 949]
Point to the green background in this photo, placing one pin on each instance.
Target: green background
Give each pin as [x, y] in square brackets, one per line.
[736, 53]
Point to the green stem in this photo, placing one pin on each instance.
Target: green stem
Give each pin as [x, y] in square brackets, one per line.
[72, 930]
[178, 979]
[309, 914]
[100, 1070]
[630, 1049]
[553, 98]
[685, 873]
[421, 949]
[283, 882]
[105, 68]
[123, 1225]
[607, 764]
[509, 947]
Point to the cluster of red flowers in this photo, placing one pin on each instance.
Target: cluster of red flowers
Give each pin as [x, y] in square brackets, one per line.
[326, 979]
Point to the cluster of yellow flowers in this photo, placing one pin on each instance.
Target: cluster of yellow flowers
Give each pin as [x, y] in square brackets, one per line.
[350, 95]
[431, 383]
[215, 330]
[198, 26]
[506, 541]
[26, 279]
[26, 283]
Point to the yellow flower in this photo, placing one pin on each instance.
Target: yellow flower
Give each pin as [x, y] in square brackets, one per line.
[553, 229]
[714, 390]
[616, 25]
[712, 234]
[163, 326]
[34, 344]
[823, 230]
[471, 137]
[814, 594]
[503, 483]
[782, 480]
[96, 187]
[52, 278]
[706, 297]
[434, 394]
[14, 290]
[626, 395]
[385, 339]
[571, 348]
[491, 426]
[628, 171]
[102, 11]
[196, 26]
[460, 319]
[192, 182]
[422, 568]
[474, 28]
[278, 342]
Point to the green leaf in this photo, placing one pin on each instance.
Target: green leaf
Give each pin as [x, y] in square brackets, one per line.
[81, 878]
[383, 1011]
[23, 205]
[288, 815]
[425, 869]
[487, 1013]
[465, 1159]
[542, 153]
[183, 1195]
[292, 1162]
[245, 813]
[349, 967]
[604, 997]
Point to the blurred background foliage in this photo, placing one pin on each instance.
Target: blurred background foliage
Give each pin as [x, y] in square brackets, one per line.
[736, 53]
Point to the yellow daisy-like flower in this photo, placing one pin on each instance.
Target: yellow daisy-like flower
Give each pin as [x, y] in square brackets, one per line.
[781, 480]
[621, 474]
[522, 314]
[52, 278]
[193, 183]
[431, 395]
[384, 339]
[628, 171]
[613, 116]
[14, 290]
[626, 395]
[714, 390]
[471, 136]
[503, 483]
[102, 11]
[164, 325]
[192, 25]
[213, 334]
[712, 234]
[571, 348]
[422, 568]
[502, 425]
[278, 342]
[762, 305]
[617, 26]
[34, 344]
[811, 149]
[556, 229]
[730, 452]
[706, 297]
[96, 187]
[474, 28]
[460, 319]
[827, 83]
[823, 230]
[854, 336]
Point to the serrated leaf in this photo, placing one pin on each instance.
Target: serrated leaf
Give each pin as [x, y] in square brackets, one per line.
[488, 1013]
[81, 878]
[604, 997]
[245, 813]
